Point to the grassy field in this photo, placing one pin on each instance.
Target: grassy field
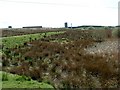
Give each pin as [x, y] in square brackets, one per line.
[16, 81]
[16, 41]
[13, 41]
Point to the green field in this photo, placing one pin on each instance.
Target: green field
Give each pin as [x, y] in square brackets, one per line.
[16, 41]
[13, 41]
[16, 81]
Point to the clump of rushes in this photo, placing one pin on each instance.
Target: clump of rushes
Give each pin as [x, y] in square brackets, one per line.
[4, 76]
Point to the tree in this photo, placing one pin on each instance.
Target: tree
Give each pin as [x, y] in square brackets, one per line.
[9, 26]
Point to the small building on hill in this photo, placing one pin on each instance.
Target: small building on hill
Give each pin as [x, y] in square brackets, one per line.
[32, 27]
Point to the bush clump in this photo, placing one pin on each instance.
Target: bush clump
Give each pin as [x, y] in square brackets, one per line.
[116, 33]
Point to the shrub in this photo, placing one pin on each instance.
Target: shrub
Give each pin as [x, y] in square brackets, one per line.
[9, 26]
[98, 35]
[23, 78]
[116, 33]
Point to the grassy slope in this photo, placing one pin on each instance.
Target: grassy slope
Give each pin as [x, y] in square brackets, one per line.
[16, 81]
[10, 42]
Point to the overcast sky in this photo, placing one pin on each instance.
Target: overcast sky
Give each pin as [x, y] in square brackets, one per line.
[53, 13]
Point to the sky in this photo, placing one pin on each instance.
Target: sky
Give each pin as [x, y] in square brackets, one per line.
[54, 13]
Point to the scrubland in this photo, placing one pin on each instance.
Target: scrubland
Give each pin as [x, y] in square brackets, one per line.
[67, 59]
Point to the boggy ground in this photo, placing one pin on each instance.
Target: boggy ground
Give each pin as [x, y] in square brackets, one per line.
[62, 61]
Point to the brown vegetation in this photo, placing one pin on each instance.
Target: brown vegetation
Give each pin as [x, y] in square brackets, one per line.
[64, 64]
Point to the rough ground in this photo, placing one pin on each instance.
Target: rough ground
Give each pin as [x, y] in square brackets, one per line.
[108, 46]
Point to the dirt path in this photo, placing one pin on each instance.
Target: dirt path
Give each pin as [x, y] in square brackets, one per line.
[109, 46]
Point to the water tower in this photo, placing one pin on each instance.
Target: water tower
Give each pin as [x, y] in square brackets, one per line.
[66, 25]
